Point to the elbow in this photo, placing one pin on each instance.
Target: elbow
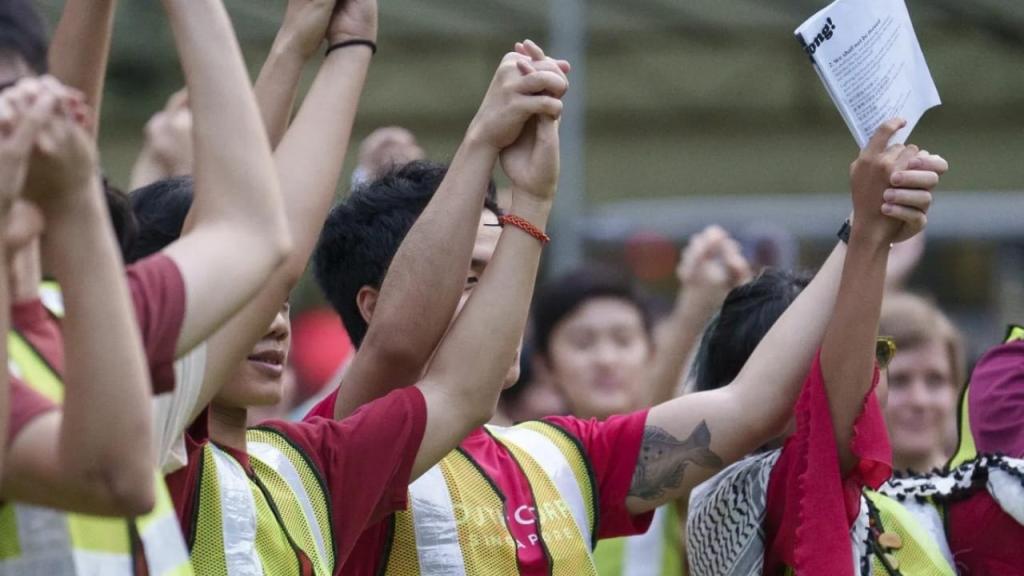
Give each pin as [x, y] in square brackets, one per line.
[130, 492]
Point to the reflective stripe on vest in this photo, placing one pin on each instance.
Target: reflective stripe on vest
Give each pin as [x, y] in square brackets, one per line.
[457, 521]
[40, 540]
[249, 526]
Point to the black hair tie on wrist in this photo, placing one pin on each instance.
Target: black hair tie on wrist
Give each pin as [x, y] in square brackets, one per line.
[357, 42]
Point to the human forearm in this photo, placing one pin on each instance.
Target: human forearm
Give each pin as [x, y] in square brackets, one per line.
[237, 200]
[103, 375]
[847, 353]
[466, 375]
[424, 283]
[234, 175]
[80, 49]
[674, 347]
[277, 87]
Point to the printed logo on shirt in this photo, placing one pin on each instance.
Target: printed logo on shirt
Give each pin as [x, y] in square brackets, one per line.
[488, 525]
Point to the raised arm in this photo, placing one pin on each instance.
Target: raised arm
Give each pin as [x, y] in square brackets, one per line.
[309, 160]
[96, 456]
[80, 49]
[848, 351]
[715, 428]
[711, 265]
[301, 33]
[427, 276]
[237, 225]
[465, 378]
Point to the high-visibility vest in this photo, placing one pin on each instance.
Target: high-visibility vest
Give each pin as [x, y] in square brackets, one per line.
[37, 540]
[275, 521]
[658, 552]
[457, 521]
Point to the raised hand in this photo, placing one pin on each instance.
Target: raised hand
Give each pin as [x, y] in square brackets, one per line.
[514, 96]
[711, 265]
[64, 157]
[22, 113]
[891, 187]
[305, 25]
[353, 19]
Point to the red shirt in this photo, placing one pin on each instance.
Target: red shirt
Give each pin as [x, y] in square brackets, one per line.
[365, 460]
[158, 295]
[612, 447]
[811, 506]
[983, 538]
[26, 405]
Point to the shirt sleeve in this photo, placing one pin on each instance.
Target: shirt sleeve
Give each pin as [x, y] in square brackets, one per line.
[26, 405]
[811, 506]
[172, 410]
[325, 407]
[158, 292]
[366, 459]
[34, 322]
[612, 448]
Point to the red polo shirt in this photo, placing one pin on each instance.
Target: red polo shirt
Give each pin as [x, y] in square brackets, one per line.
[26, 405]
[365, 460]
[612, 447]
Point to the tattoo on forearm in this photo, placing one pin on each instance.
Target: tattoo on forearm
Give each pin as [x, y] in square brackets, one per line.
[663, 460]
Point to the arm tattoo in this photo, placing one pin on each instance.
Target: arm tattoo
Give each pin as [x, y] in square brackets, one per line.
[663, 460]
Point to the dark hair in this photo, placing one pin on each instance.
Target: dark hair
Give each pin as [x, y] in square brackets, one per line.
[160, 210]
[562, 296]
[746, 316]
[119, 205]
[23, 34]
[363, 233]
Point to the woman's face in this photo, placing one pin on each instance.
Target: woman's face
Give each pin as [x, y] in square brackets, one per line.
[921, 408]
[598, 356]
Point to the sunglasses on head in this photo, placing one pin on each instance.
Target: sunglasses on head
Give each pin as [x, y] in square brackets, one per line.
[885, 349]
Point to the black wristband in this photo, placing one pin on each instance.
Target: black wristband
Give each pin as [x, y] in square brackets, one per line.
[356, 42]
[844, 232]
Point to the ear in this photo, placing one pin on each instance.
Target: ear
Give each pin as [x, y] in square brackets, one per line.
[366, 300]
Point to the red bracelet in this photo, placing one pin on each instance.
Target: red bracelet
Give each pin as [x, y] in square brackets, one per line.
[524, 225]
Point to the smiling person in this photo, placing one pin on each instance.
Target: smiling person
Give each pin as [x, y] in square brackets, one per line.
[925, 379]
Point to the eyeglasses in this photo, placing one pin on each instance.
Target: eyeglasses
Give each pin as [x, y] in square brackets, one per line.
[885, 350]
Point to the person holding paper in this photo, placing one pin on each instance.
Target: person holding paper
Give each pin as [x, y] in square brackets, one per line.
[800, 507]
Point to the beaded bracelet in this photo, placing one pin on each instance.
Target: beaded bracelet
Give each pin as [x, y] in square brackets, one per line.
[524, 225]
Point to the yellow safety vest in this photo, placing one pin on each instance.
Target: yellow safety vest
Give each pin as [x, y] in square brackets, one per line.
[659, 552]
[37, 540]
[457, 519]
[917, 551]
[271, 522]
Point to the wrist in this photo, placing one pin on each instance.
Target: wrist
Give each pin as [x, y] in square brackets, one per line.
[288, 51]
[869, 236]
[694, 310]
[476, 139]
[535, 210]
[370, 33]
[85, 198]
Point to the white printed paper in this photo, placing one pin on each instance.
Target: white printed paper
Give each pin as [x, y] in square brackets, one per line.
[868, 56]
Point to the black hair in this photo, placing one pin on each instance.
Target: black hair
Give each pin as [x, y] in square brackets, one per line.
[119, 205]
[363, 234]
[562, 296]
[23, 34]
[160, 210]
[746, 316]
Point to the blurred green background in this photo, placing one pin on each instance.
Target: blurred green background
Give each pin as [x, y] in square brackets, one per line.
[695, 104]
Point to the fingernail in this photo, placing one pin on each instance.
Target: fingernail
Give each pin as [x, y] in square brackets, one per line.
[887, 208]
[897, 179]
[888, 195]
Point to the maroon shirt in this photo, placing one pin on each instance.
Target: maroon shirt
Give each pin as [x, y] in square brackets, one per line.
[612, 447]
[983, 538]
[365, 460]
